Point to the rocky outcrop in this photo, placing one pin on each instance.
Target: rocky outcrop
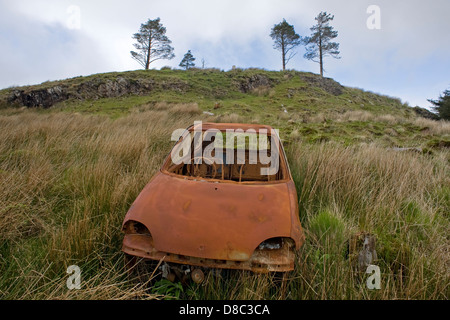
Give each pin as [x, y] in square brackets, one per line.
[255, 81]
[95, 89]
[92, 89]
[38, 98]
[327, 84]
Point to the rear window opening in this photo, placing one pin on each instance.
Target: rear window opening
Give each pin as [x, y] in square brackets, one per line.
[239, 157]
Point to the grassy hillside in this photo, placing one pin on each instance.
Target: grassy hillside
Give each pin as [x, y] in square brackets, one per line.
[69, 172]
[297, 103]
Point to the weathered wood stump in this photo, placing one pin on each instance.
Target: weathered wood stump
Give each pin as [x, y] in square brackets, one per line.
[362, 250]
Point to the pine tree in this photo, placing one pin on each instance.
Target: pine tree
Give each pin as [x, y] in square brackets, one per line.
[152, 44]
[319, 44]
[442, 105]
[285, 40]
[188, 61]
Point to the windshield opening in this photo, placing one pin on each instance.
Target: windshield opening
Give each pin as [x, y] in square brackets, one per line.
[233, 156]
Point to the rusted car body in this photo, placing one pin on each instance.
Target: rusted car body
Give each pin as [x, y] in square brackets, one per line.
[218, 215]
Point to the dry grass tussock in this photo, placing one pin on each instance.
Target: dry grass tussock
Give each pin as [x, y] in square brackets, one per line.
[364, 116]
[263, 91]
[182, 108]
[435, 127]
[230, 118]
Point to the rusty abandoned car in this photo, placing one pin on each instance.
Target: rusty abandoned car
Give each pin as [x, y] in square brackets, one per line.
[218, 203]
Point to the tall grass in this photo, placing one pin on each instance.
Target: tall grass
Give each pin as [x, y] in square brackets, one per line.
[431, 126]
[401, 198]
[67, 180]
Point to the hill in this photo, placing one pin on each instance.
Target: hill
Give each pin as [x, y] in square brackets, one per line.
[237, 90]
[74, 155]
[298, 103]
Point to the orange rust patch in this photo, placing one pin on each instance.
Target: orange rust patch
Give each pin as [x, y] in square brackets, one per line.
[187, 205]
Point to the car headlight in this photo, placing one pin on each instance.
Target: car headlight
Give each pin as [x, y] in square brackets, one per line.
[275, 243]
[134, 227]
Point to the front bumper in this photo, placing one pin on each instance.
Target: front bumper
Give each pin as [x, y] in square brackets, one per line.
[261, 261]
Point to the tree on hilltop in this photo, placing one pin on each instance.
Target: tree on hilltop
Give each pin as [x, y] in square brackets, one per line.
[152, 43]
[188, 61]
[319, 44]
[285, 39]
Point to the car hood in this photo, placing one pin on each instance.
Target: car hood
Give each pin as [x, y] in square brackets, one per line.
[205, 219]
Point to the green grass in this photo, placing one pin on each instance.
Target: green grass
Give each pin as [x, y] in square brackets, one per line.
[69, 174]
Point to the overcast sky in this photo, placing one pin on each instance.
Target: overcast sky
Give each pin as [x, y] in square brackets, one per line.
[408, 57]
